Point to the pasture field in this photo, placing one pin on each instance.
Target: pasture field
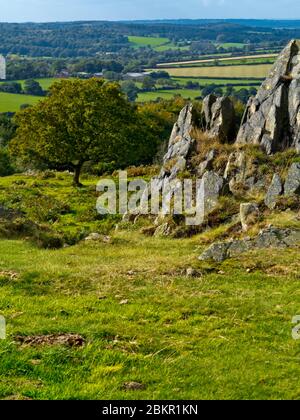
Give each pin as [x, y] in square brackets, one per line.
[168, 94]
[225, 61]
[145, 41]
[45, 83]
[226, 45]
[156, 43]
[10, 102]
[224, 335]
[218, 81]
[244, 71]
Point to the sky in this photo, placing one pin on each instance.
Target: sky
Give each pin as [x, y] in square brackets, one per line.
[68, 10]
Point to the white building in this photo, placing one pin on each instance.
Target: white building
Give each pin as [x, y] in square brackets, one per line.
[2, 68]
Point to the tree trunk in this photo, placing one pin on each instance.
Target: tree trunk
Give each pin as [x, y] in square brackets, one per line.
[77, 171]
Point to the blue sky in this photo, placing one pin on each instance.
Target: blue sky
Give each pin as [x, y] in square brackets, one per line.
[62, 10]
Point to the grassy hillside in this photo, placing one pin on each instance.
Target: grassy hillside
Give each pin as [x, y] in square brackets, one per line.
[226, 334]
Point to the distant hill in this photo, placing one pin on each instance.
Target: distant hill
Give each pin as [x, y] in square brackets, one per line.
[256, 23]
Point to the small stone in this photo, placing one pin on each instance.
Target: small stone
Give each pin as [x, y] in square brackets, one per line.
[130, 273]
[191, 272]
[94, 236]
[124, 302]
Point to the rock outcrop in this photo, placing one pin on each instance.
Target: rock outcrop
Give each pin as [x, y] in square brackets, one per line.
[180, 145]
[270, 237]
[219, 117]
[272, 118]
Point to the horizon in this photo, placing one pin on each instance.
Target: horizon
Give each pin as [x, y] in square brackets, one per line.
[155, 20]
[42, 11]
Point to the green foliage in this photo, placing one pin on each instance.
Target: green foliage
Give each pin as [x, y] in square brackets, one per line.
[83, 121]
[32, 87]
[6, 167]
[130, 89]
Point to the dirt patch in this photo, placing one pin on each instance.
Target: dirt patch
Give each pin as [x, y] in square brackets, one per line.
[70, 340]
[133, 386]
[9, 274]
[17, 398]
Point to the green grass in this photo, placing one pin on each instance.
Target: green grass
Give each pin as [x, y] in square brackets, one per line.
[168, 94]
[227, 45]
[159, 44]
[223, 61]
[45, 83]
[226, 335]
[11, 102]
[145, 41]
[208, 81]
[244, 71]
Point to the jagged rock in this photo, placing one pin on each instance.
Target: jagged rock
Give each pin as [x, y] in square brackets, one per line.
[270, 237]
[271, 118]
[219, 116]
[274, 192]
[249, 213]
[292, 184]
[180, 145]
[209, 192]
[207, 105]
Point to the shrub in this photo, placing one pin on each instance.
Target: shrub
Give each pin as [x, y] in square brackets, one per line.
[5, 163]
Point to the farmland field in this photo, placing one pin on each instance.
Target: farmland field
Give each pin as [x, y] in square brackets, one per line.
[45, 83]
[168, 94]
[248, 71]
[218, 81]
[159, 44]
[250, 59]
[231, 45]
[144, 41]
[10, 102]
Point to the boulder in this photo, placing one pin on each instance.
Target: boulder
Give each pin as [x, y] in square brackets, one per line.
[274, 192]
[292, 184]
[271, 118]
[249, 213]
[217, 252]
[219, 117]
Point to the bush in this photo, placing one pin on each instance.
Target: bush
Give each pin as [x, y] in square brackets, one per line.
[5, 163]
